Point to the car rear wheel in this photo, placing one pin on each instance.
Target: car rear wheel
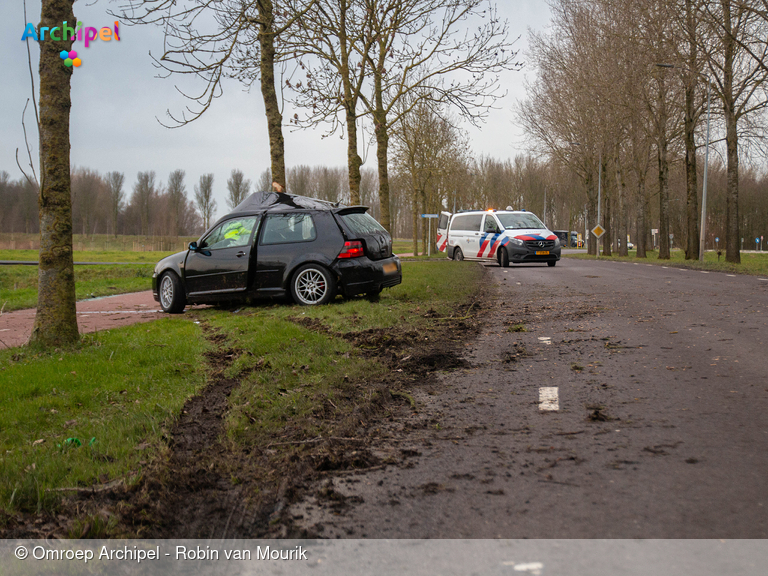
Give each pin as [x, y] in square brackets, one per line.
[458, 254]
[551, 263]
[172, 296]
[312, 285]
[503, 257]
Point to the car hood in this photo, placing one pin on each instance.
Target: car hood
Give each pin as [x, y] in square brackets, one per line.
[172, 261]
[532, 234]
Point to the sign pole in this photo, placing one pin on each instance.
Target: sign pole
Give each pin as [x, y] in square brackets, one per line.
[429, 236]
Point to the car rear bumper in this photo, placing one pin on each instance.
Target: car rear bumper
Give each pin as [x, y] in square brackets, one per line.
[363, 275]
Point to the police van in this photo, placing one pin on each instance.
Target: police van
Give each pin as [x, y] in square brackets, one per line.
[506, 236]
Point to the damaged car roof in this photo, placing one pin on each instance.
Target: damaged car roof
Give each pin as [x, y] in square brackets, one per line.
[281, 202]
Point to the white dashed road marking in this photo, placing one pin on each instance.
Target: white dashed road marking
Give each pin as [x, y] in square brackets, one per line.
[533, 568]
[545, 340]
[549, 400]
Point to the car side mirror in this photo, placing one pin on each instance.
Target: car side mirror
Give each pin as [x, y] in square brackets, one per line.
[193, 246]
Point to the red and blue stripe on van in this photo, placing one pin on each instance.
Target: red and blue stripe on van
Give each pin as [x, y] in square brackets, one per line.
[492, 243]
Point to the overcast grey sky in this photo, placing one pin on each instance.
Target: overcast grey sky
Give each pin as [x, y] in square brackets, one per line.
[116, 99]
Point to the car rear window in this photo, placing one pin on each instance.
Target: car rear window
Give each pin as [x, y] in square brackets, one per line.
[362, 223]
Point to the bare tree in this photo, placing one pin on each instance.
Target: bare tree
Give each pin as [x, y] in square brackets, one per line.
[422, 49]
[204, 199]
[737, 57]
[144, 194]
[216, 39]
[264, 183]
[55, 321]
[177, 199]
[237, 188]
[332, 33]
[116, 194]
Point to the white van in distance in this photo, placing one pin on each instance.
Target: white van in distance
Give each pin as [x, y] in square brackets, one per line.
[506, 236]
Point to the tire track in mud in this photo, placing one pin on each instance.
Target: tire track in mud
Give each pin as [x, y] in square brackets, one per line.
[191, 495]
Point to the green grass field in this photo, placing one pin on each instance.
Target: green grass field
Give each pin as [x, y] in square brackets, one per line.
[751, 263]
[18, 284]
[125, 387]
[115, 396]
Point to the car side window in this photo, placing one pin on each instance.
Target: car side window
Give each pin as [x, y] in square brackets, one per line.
[467, 222]
[288, 228]
[230, 234]
[490, 224]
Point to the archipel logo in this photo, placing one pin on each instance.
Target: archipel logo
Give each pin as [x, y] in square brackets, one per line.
[79, 34]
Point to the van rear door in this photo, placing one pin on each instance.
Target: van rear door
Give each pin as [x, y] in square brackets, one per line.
[442, 231]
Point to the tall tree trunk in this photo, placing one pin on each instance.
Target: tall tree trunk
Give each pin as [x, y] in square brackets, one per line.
[662, 154]
[56, 320]
[643, 204]
[589, 184]
[267, 70]
[692, 200]
[382, 144]
[622, 208]
[732, 253]
[606, 214]
[415, 206]
[354, 162]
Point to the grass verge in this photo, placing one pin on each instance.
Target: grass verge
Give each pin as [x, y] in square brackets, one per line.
[94, 413]
[751, 263]
[293, 361]
[18, 284]
[301, 373]
[87, 256]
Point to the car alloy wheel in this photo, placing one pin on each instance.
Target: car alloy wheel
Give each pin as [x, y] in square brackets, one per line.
[166, 292]
[313, 285]
[172, 296]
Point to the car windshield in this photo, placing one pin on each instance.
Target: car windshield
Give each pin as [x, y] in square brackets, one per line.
[519, 221]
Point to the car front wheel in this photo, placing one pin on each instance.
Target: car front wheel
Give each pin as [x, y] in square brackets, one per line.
[313, 284]
[172, 297]
[503, 257]
[458, 254]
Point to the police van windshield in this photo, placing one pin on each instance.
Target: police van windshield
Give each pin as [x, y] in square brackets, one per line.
[519, 221]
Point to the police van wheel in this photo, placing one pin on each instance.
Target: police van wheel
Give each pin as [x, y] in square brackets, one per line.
[458, 254]
[551, 263]
[172, 296]
[503, 257]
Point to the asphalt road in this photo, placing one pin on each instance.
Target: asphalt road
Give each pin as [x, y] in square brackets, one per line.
[653, 421]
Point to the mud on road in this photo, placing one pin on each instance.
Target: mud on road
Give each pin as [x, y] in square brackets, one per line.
[659, 430]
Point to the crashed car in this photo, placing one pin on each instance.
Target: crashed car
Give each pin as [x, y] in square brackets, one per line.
[276, 244]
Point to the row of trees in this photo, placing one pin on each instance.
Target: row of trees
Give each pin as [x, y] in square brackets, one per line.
[357, 57]
[620, 97]
[430, 173]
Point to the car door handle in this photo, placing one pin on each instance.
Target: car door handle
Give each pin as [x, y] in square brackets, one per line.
[240, 254]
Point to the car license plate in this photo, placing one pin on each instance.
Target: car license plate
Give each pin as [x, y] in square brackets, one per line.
[542, 253]
[390, 267]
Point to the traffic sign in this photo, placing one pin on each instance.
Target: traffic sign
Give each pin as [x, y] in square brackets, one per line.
[429, 215]
[598, 231]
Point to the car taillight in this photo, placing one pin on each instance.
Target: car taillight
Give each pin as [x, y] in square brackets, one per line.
[352, 249]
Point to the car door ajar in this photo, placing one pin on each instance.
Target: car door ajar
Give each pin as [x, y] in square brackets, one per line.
[283, 239]
[220, 263]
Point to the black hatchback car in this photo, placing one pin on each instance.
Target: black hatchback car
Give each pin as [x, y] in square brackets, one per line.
[275, 244]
